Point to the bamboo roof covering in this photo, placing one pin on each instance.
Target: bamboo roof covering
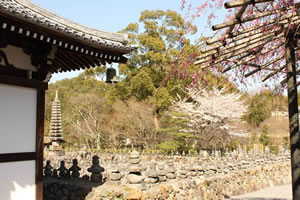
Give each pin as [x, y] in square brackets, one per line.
[254, 39]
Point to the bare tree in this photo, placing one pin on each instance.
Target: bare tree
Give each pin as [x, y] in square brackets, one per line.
[89, 119]
[133, 120]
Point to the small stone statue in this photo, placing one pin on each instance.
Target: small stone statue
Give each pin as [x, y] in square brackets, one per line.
[189, 153]
[85, 177]
[48, 169]
[135, 157]
[115, 174]
[172, 153]
[75, 169]
[96, 170]
[62, 170]
[152, 175]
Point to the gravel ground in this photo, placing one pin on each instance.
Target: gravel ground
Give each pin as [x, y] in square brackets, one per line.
[272, 193]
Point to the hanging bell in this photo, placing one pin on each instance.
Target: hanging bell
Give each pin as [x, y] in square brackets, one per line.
[110, 74]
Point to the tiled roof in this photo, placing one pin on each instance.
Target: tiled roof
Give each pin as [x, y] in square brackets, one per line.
[29, 12]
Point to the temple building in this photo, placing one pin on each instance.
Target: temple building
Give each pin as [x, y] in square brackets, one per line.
[56, 138]
[34, 44]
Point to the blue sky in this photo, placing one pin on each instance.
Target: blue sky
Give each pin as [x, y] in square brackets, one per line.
[110, 15]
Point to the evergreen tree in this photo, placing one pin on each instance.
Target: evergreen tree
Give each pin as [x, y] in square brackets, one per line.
[264, 137]
[176, 132]
[160, 36]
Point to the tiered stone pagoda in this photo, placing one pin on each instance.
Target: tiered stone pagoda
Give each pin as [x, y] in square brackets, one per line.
[56, 137]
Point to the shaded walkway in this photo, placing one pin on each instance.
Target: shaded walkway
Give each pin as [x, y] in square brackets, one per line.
[272, 193]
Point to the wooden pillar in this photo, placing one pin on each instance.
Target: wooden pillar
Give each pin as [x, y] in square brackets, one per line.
[39, 143]
[293, 114]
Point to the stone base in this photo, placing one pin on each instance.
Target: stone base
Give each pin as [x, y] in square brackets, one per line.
[134, 178]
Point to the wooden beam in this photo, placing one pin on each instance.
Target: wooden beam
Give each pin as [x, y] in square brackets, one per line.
[247, 19]
[15, 157]
[251, 57]
[236, 21]
[254, 34]
[273, 73]
[210, 48]
[238, 17]
[240, 39]
[264, 66]
[267, 24]
[231, 54]
[75, 58]
[97, 62]
[58, 66]
[236, 47]
[91, 63]
[62, 63]
[205, 57]
[252, 65]
[245, 43]
[252, 30]
[67, 59]
[293, 113]
[30, 83]
[237, 3]
[85, 59]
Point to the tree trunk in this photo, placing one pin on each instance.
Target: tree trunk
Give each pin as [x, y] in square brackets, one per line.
[87, 143]
[98, 141]
[293, 114]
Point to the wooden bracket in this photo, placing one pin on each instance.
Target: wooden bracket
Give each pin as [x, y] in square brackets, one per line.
[4, 57]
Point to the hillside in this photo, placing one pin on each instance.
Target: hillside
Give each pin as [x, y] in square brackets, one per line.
[278, 129]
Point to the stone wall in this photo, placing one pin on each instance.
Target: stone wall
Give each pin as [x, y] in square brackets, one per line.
[135, 176]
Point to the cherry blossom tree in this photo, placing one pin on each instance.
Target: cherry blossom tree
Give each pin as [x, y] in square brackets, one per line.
[212, 104]
[209, 112]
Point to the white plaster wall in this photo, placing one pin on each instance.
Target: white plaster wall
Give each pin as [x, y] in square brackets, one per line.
[17, 180]
[18, 58]
[17, 119]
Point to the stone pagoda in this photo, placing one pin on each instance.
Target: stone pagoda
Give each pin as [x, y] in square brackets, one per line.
[55, 148]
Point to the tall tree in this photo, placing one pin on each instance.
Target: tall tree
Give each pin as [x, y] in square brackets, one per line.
[160, 36]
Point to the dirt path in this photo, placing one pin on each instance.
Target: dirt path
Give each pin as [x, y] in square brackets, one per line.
[272, 193]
